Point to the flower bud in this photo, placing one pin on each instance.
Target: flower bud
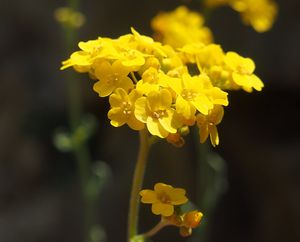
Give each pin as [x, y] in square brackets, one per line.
[184, 231]
[192, 219]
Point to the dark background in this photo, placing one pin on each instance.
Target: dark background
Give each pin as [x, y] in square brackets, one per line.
[39, 190]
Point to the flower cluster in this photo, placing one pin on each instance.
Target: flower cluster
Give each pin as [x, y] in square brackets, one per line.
[165, 88]
[260, 14]
[181, 27]
[165, 201]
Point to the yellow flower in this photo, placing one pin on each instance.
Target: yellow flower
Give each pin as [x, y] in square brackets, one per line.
[79, 58]
[260, 14]
[196, 93]
[146, 44]
[242, 72]
[111, 77]
[149, 81]
[163, 198]
[181, 27]
[122, 109]
[156, 112]
[131, 58]
[207, 124]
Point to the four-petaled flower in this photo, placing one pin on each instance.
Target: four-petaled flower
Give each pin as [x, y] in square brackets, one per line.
[163, 198]
[122, 109]
[156, 112]
[111, 77]
[242, 72]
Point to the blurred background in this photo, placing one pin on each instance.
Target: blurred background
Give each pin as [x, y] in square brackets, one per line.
[257, 193]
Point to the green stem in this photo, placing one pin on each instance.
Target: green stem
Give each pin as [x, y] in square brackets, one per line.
[133, 77]
[81, 152]
[137, 183]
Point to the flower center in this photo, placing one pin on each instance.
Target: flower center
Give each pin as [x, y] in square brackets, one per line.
[159, 114]
[188, 94]
[113, 79]
[126, 106]
[164, 198]
[242, 69]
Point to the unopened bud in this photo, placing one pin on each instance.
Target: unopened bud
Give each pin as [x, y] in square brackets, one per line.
[176, 140]
[192, 219]
[184, 231]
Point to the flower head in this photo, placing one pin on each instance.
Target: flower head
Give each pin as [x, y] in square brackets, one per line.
[111, 77]
[156, 112]
[242, 72]
[122, 109]
[163, 198]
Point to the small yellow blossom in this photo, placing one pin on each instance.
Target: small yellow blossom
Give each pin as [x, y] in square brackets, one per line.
[191, 96]
[196, 93]
[122, 109]
[149, 81]
[111, 77]
[156, 112]
[163, 198]
[207, 124]
[242, 72]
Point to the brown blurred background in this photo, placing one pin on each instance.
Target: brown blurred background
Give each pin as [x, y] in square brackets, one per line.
[40, 198]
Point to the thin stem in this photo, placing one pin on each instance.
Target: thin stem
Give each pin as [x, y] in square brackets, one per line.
[137, 183]
[133, 77]
[81, 153]
[156, 229]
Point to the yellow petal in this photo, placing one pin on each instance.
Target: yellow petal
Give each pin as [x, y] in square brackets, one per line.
[135, 124]
[117, 117]
[161, 187]
[103, 89]
[126, 83]
[214, 136]
[148, 196]
[140, 111]
[163, 209]
[118, 97]
[202, 104]
[257, 83]
[216, 114]
[122, 70]
[177, 196]
[155, 128]
[166, 122]
[203, 132]
[103, 70]
[185, 108]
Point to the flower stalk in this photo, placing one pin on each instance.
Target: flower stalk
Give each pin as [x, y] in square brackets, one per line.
[137, 183]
